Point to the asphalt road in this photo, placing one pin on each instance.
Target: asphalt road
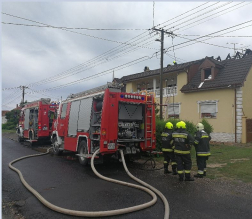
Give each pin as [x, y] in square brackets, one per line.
[67, 184]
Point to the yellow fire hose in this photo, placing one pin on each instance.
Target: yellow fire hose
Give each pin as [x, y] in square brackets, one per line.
[97, 213]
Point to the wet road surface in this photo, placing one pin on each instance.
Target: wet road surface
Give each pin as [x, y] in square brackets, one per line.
[67, 184]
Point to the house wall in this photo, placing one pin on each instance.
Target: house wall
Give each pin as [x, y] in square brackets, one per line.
[4, 120]
[129, 87]
[224, 124]
[246, 96]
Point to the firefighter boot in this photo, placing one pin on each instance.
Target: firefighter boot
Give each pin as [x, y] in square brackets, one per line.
[188, 177]
[199, 175]
[181, 177]
[174, 170]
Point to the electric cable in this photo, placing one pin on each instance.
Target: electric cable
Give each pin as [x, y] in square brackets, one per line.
[97, 75]
[205, 39]
[88, 35]
[167, 21]
[215, 32]
[68, 28]
[110, 59]
[215, 16]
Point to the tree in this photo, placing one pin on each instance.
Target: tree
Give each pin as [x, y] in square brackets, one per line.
[12, 119]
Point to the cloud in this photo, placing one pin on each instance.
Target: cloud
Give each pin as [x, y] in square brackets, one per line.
[32, 54]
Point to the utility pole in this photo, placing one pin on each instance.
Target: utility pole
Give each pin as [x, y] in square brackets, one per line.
[23, 92]
[161, 67]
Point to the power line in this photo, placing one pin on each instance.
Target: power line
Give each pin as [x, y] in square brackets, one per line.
[205, 14]
[208, 36]
[217, 45]
[68, 28]
[67, 76]
[208, 39]
[10, 88]
[188, 11]
[217, 15]
[95, 37]
[169, 20]
[189, 40]
[101, 73]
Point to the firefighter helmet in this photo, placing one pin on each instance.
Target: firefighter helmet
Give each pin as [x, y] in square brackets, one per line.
[178, 125]
[181, 125]
[200, 127]
[169, 125]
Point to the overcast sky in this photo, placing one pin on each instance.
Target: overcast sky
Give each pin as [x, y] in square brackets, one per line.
[50, 61]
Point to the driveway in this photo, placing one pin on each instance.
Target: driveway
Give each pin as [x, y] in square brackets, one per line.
[65, 183]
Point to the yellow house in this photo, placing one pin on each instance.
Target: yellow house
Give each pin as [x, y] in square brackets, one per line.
[219, 91]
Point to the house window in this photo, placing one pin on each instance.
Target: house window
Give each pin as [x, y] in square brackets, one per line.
[208, 109]
[63, 111]
[173, 110]
[207, 74]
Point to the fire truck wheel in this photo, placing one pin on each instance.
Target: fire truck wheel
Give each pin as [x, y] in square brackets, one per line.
[20, 139]
[56, 149]
[82, 150]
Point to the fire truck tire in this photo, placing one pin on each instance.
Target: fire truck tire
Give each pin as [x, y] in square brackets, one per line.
[82, 150]
[20, 139]
[56, 150]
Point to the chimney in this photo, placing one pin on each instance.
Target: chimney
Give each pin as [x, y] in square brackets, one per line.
[16, 105]
[146, 68]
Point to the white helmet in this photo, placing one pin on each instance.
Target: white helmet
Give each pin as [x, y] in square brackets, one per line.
[200, 127]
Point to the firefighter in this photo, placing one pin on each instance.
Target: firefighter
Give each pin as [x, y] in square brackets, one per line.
[168, 149]
[182, 142]
[202, 148]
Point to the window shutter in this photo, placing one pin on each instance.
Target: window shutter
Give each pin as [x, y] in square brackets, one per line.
[173, 110]
[208, 107]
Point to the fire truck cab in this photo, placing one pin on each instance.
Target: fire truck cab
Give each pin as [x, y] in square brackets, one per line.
[108, 120]
[36, 120]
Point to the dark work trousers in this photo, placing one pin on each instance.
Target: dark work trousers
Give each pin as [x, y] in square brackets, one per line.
[169, 156]
[184, 162]
[201, 163]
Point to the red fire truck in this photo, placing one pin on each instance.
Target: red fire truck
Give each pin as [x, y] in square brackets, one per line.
[36, 120]
[107, 120]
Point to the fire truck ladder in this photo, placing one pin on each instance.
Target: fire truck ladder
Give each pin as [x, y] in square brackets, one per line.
[150, 100]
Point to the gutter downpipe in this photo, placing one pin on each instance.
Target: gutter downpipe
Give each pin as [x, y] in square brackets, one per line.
[235, 111]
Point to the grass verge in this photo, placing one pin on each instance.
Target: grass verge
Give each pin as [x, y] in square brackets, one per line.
[227, 161]
[8, 131]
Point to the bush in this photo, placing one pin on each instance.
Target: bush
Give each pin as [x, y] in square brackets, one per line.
[160, 124]
[190, 127]
[207, 127]
[9, 126]
[12, 120]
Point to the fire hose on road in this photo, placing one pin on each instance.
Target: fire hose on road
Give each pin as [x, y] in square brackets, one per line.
[98, 213]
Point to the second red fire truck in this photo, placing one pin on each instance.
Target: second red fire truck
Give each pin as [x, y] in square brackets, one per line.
[107, 120]
[36, 120]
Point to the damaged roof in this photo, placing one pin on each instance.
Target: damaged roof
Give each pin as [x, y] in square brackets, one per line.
[232, 74]
[149, 73]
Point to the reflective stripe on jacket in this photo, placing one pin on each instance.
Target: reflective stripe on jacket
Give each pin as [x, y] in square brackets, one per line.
[182, 141]
[167, 142]
[202, 143]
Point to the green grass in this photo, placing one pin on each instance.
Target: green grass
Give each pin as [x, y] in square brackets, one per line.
[8, 131]
[227, 161]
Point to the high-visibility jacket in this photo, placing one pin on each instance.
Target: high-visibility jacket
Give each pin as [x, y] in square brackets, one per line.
[201, 143]
[167, 143]
[182, 141]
